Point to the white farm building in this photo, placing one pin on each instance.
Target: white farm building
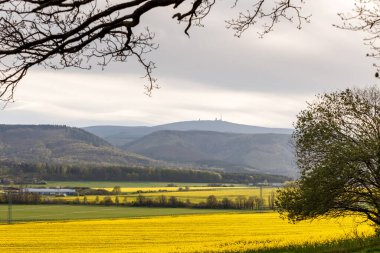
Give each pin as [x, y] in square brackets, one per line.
[44, 191]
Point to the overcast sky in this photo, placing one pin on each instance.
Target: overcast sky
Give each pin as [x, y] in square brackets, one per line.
[247, 80]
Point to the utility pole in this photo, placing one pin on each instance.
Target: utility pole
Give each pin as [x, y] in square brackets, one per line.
[9, 207]
[261, 197]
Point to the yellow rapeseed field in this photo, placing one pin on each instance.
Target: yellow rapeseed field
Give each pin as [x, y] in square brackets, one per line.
[192, 233]
[143, 189]
[171, 188]
[195, 195]
[219, 193]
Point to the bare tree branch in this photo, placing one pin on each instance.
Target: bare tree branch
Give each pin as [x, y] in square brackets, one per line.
[270, 12]
[365, 17]
[61, 34]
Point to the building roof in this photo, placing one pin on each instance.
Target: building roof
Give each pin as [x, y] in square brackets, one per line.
[44, 190]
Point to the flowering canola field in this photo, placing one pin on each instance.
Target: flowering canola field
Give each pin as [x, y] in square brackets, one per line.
[219, 193]
[171, 188]
[195, 195]
[188, 233]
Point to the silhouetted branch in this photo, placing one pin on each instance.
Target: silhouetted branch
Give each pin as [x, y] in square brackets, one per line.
[270, 12]
[61, 34]
[365, 17]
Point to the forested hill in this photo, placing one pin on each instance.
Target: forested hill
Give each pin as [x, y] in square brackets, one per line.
[60, 145]
[122, 135]
[49, 146]
[262, 153]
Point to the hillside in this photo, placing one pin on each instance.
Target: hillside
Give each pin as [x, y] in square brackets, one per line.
[60, 144]
[122, 135]
[263, 153]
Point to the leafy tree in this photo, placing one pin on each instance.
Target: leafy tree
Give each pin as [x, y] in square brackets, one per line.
[140, 200]
[116, 190]
[271, 201]
[107, 201]
[174, 201]
[240, 202]
[162, 200]
[80, 33]
[212, 201]
[337, 142]
[97, 200]
[125, 200]
[227, 203]
[76, 200]
[259, 203]
[251, 202]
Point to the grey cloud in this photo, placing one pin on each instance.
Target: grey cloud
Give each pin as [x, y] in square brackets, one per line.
[315, 59]
[196, 73]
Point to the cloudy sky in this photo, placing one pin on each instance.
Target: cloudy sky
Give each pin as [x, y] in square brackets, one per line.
[247, 80]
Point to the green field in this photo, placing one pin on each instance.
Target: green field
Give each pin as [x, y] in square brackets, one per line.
[80, 212]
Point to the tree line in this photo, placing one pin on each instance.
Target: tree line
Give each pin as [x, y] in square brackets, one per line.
[88, 172]
[211, 202]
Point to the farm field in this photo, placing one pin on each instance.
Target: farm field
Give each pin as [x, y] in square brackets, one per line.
[193, 195]
[133, 187]
[172, 189]
[220, 193]
[100, 228]
[22, 213]
[235, 232]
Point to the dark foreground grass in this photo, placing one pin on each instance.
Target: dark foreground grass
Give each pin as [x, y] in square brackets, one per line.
[358, 245]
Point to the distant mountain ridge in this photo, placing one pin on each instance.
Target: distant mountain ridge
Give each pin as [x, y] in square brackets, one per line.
[61, 145]
[63, 152]
[122, 135]
[262, 153]
[208, 144]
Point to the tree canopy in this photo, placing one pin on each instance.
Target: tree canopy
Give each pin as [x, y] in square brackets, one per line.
[337, 143]
[80, 33]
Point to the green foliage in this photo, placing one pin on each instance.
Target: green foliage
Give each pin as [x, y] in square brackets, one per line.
[116, 190]
[127, 173]
[21, 197]
[164, 200]
[212, 201]
[357, 245]
[337, 140]
[107, 200]
[88, 191]
[241, 203]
